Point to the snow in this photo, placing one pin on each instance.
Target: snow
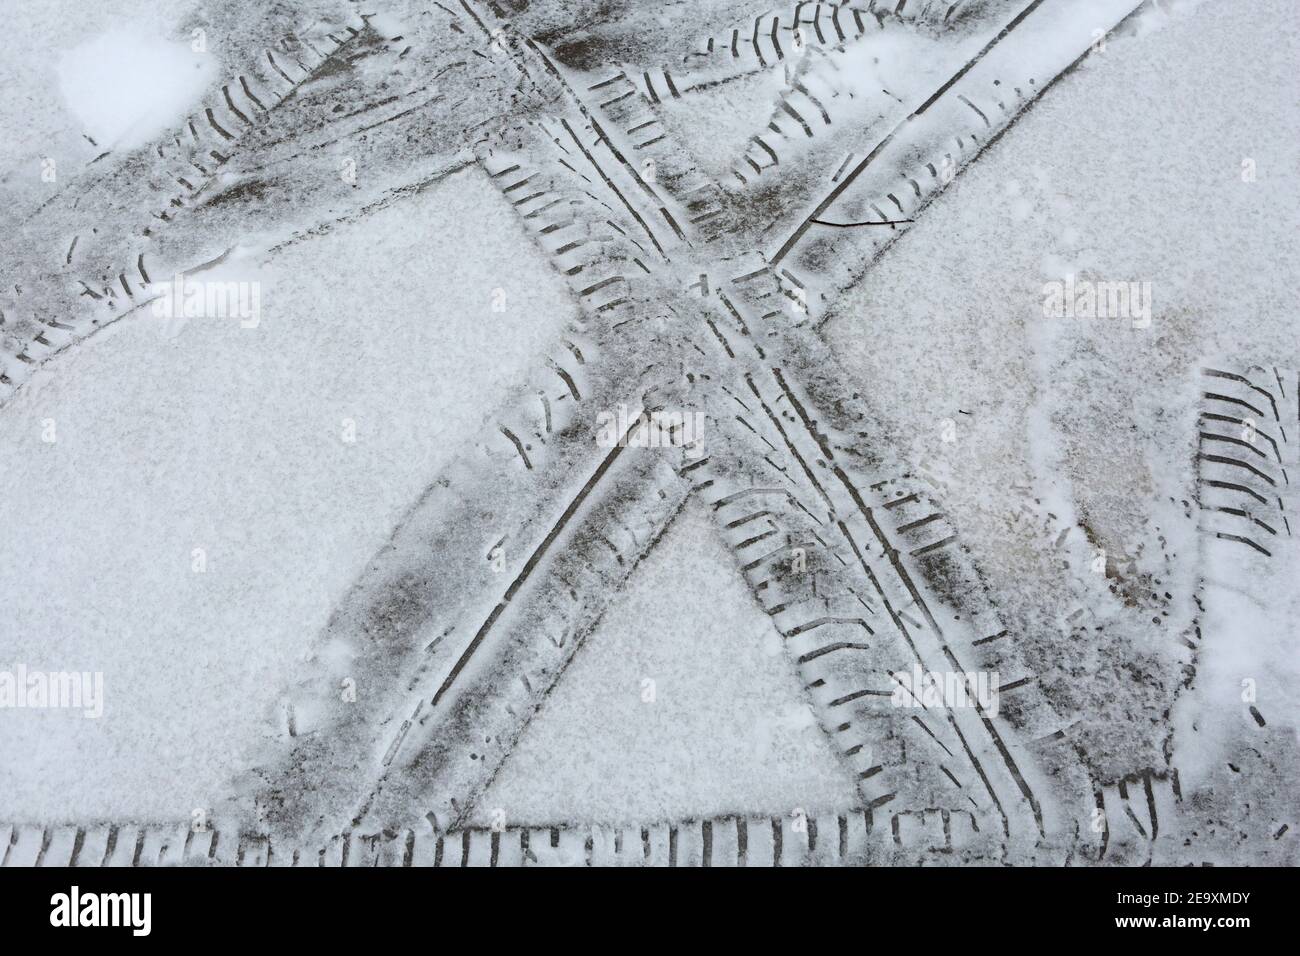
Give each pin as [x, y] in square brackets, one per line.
[186, 501]
[727, 730]
[47, 33]
[125, 86]
[234, 440]
[716, 124]
[1092, 417]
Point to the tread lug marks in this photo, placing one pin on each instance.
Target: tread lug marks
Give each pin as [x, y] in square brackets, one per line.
[423, 848]
[476, 847]
[1248, 458]
[658, 845]
[89, 846]
[175, 168]
[157, 845]
[519, 444]
[961, 830]
[385, 849]
[688, 847]
[619, 100]
[255, 851]
[1138, 809]
[575, 230]
[920, 829]
[709, 212]
[768, 296]
[872, 835]
[771, 545]
[825, 629]
[283, 855]
[827, 647]
[557, 847]
[531, 642]
[335, 853]
[22, 845]
[804, 111]
[59, 845]
[764, 43]
[604, 155]
[953, 758]
[940, 835]
[926, 148]
[919, 528]
[605, 294]
[795, 836]
[124, 847]
[603, 846]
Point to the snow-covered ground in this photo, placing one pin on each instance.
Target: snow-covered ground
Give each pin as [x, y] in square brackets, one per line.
[352, 553]
[211, 490]
[1132, 168]
[681, 704]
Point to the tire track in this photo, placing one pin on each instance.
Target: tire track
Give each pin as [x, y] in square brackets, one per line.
[617, 100]
[822, 552]
[42, 319]
[949, 128]
[779, 438]
[857, 838]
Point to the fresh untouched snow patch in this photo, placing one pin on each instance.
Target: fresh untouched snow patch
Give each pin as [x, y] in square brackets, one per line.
[125, 86]
[683, 703]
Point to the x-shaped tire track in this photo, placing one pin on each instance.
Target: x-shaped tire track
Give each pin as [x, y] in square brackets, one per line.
[684, 311]
[753, 365]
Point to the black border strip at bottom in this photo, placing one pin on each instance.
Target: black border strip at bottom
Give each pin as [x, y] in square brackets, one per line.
[339, 905]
